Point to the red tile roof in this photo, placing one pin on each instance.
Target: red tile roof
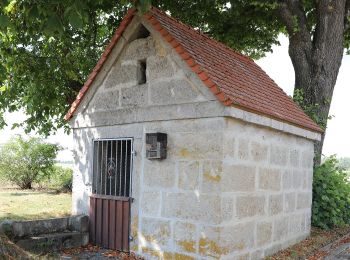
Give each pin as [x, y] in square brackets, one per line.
[234, 78]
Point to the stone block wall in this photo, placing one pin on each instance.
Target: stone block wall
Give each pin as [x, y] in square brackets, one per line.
[237, 191]
[227, 190]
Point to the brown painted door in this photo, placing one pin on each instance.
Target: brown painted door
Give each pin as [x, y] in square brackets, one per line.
[111, 197]
[110, 222]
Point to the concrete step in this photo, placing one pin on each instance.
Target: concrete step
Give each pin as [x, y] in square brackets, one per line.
[19, 229]
[54, 241]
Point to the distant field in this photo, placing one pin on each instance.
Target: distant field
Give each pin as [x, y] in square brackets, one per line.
[16, 204]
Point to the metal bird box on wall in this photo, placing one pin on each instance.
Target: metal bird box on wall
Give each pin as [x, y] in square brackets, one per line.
[156, 144]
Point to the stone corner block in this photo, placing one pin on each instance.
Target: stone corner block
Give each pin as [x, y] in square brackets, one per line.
[79, 223]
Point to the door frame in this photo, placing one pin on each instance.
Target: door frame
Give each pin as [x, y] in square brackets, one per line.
[113, 200]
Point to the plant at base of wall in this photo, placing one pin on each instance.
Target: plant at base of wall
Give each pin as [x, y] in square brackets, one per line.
[331, 196]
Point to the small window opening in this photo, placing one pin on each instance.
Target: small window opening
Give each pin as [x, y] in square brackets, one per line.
[142, 73]
[141, 32]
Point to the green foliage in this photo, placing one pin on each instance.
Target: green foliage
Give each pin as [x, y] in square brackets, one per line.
[312, 110]
[48, 48]
[331, 196]
[24, 162]
[60, 178]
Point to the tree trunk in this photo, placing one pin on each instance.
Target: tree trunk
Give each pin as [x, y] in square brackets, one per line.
[316, 57]
[26, 186]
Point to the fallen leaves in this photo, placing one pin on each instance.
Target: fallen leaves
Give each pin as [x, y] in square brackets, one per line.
[93, 249]
[310, 248]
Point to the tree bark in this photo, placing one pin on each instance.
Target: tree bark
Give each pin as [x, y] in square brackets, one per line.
[316, 55]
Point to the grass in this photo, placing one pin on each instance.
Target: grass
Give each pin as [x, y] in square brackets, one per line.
[18, 204]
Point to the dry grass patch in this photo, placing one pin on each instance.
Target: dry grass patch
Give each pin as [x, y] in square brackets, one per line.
[18, 204]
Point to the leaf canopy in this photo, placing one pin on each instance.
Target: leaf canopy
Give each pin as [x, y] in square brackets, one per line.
[48, 48]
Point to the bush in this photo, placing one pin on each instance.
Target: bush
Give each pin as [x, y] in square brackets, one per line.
[61, 179]
[331, 196]
[23, 162]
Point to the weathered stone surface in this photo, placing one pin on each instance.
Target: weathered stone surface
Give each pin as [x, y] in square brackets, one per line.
[194, 146]
[294, 158]
[275, 204]
[106, 100]
[308, 179]
[227, 208]
[307, 159]
[150, 205]
[244, 256]
[249, 206]
[243, 149]
[192, 206]
[129, 74]
[212, 175]
[185, 237]
[156, 231]
[264, 233]
[229, 146]
[53, 242]
[6, 227]
[189, 175]
[280, 230]
[287, 179]
[237, 237]
[269, 179]
[235, 178]
[159, 67]
[174, 91]
[295, 223]
[278, 155]
[79, 223]
[159, 174]
[217, 242]
[36, 227]
[134, 96]
[289, 202]
[139, 49]
[304, 200]
[258, 151]
[298, 177]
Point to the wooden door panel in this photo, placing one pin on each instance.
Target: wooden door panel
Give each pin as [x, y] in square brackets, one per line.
[110, 222]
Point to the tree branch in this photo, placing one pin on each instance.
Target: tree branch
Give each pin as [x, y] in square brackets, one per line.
[294, 18]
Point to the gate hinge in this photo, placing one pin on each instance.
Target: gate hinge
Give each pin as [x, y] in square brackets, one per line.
[132, 200]
[134, 152]
[131, 238]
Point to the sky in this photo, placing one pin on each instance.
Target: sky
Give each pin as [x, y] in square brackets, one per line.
[279, 67]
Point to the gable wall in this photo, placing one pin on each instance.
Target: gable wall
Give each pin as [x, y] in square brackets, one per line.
[172, 90]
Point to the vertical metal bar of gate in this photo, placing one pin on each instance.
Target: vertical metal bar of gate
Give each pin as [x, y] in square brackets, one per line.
[125, 166]
[101, 165]
[116, 167]
[120, 168]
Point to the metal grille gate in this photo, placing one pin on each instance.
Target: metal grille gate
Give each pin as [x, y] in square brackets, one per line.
[111, 196]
